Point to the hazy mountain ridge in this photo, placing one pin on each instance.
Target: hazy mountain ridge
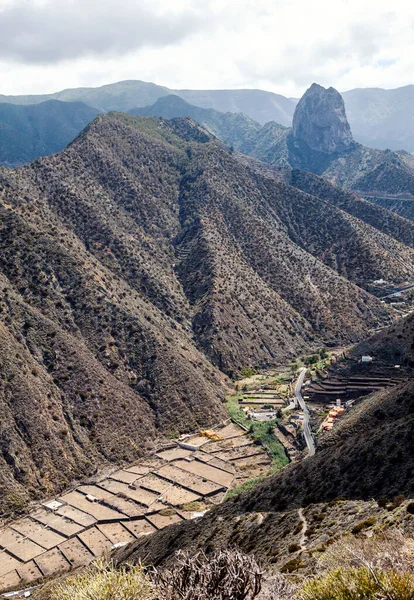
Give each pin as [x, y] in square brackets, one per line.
[379, 118]
[382, 118]
[28, 132]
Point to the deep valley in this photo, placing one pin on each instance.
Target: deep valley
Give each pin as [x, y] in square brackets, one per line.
[206, 340]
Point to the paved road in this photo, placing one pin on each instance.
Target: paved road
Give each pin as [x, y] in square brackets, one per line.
[306, 416]
[403, 289]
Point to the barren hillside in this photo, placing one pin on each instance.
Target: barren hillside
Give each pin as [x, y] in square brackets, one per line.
[140, 263]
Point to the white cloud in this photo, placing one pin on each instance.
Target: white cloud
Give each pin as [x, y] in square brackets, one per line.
[50, 31]
[281, 45]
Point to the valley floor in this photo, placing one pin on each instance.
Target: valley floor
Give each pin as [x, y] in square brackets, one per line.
[184, 478]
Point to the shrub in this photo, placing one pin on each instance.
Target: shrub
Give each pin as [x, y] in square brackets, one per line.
[410, 508]
[320, 516]
[247, 372]
[222, 576]
[102, 581]
[382, 502]
[363, 525]
[292, 565]
[357, 583]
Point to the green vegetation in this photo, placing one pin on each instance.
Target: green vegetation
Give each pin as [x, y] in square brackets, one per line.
[192, 506]
[247, 485]
[260, 431]
[247, 372]
[292, 565]
[250, 483]
[357, 583]
[363, 525]
[153, 127]
[318, 361]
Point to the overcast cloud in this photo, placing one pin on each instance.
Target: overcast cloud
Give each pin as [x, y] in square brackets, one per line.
[279, 45]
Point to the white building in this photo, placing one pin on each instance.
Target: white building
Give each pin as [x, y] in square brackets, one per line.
[367, 359]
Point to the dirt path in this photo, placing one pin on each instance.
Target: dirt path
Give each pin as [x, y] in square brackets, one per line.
[302, 541]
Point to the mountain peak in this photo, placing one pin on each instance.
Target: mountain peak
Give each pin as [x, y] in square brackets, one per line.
[320, 121]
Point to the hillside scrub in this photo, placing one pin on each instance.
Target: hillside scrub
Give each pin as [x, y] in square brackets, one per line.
[354, 584]
[134, 275]
[102, 581]
[377, 568]
[227, 575]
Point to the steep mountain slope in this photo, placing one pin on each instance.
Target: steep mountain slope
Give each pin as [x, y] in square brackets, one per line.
[320, 141]
[92, 369]
[28, 132]
[133, 255]
[236, 129]
[365, 169]
[377, 216]
[396, 204]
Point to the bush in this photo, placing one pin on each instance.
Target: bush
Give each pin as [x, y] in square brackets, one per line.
[102, 581]
[222, 576]
[292, 565]
[410, 508]
[382, 502]
[359, 583]
[247, 372]
[363, 525]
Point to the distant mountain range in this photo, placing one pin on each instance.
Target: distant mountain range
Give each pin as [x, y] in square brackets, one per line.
[379, 118]
[320, 141]
[27, 132]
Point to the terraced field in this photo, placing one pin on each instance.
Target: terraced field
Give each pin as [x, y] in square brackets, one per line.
[347, 388]
[179, 481]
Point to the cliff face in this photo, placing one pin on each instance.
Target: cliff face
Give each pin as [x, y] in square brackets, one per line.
[320, 121]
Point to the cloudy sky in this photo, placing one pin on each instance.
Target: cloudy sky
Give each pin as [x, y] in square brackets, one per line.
[278, 45]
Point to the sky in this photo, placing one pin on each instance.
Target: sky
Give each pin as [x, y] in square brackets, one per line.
[277, 45]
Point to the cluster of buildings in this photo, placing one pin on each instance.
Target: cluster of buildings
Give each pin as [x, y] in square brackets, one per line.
[333, 414]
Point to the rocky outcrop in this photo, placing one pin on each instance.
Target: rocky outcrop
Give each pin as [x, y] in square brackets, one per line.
[320, 121]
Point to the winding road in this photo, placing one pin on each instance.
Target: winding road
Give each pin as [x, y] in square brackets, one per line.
[310, 442]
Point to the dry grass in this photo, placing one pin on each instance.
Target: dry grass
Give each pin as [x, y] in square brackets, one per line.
[377, 568]
[102, 581]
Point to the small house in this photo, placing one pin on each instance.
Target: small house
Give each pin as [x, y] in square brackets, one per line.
[366, 359]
